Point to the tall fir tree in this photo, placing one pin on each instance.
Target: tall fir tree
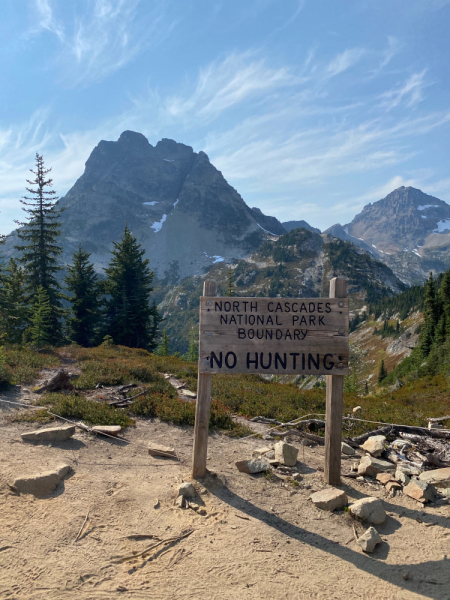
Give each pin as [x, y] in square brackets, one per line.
[382, 373]
[444, 294]
[41, 319]
[430, 317]
[85, 320]
[163, 348]
[13, 310]
[40, 248]
[130, 319]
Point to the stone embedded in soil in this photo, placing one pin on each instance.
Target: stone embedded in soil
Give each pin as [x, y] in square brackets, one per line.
[384, 478]
[189, 394]
[180, 502]
[371, 466]
[254, 465]
[50, 434]
[374, 445]
[187, 489]
[402, 477]
[261, 451]
[369, 510]
[369, 539]
[41, 483]
[201, 511]
[420, 490]
[347, 449]
[158, 450]
[108, 429]
[438, 477]
[286, 454]
[393, 485]
[329, 499]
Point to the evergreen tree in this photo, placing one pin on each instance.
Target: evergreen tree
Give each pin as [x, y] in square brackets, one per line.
[40, 249]
[41, 319]
[130, 319]
[429, 314]
[444, 294]
[231, 290]
[382, 373]
[192, 354]
[163, 348]
[13, 310]
[82, 281]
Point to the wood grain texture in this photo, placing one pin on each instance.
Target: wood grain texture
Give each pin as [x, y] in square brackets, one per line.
[202, 408]
[334, 402]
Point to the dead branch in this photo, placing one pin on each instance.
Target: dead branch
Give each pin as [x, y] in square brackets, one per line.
[82, 527]
[167, 541]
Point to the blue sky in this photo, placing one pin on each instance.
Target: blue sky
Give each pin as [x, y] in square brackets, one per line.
[310, 108]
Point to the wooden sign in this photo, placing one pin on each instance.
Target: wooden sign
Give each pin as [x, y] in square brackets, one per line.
[304, 336]
[274, 335]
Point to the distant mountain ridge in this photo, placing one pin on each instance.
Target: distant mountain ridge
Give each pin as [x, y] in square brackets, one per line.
[177, 204]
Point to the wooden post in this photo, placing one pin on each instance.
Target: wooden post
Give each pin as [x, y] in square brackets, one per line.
[335, 396]
[202, 408]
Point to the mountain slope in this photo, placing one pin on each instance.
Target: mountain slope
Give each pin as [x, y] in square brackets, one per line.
[290, 225]
[178, 205]
[297, 264]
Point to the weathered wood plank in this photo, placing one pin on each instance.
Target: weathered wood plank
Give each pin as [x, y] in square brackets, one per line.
[202, 408]
[334, 402]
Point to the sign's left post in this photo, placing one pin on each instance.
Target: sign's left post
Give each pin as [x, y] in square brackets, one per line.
[202, 408]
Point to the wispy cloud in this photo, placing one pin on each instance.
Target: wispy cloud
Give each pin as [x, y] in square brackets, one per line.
[104, 38]
[344, 61]
[46, 20]
[411, 91]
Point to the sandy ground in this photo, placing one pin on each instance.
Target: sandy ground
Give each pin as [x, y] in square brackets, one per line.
[260, 538]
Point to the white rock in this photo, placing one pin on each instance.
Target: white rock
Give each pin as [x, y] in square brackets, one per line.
[329, 499]
[108, 429]
[369, 465]
[356, 409]
[369, 510]
[402, 477]
[254, 465]
[50, 434]
[374, 445]
[438, 477]
[42, 483]
[346, 449]
[164, 451]
[286, 454]
[187, 489]
[369, 539]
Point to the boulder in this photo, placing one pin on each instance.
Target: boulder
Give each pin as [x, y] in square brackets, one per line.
[187, 490]
[369, 510]
[329, 499]
[108, 429]
[420, 490]
[59, 381]
[384, 478]
[440, 478]
[374, 445]
[50, 434]
[254, 465]
[286, 454]
[158, 450]
[180, 502]
[42, 483]
[402, 477]
[346, 449]
[371, 466]
[369, 539]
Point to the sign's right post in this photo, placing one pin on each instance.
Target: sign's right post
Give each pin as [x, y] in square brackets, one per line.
[334, 403]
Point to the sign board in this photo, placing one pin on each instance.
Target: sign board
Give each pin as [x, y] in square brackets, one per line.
[304, 336]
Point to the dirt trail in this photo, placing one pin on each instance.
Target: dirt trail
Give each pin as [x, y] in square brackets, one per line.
[260, 538]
